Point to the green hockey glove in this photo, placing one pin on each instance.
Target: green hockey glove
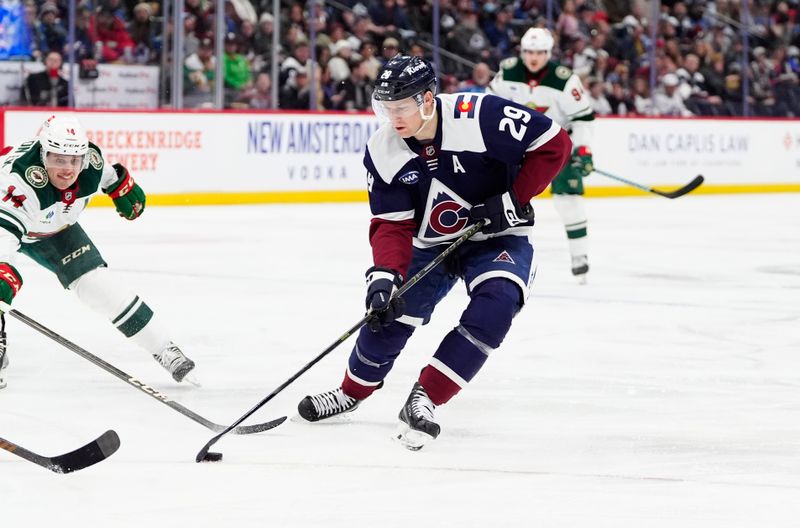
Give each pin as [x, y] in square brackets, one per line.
[581, 161]
[10, 282]
[127, 195]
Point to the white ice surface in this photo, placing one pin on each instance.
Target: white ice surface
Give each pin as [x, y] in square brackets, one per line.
[665, 393]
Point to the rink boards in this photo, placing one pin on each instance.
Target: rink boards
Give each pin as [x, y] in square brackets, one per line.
[209, 157]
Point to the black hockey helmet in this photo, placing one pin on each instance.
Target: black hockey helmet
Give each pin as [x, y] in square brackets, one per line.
[403, 77]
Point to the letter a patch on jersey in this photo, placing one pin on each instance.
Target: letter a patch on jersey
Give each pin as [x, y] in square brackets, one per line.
[465, 106]
[504, 257]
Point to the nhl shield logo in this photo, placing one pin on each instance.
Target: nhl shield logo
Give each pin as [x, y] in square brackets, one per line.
[37, 176]
[430, 150]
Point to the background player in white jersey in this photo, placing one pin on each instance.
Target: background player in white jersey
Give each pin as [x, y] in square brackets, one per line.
[436, 165]
[538, 82]
[45, 184]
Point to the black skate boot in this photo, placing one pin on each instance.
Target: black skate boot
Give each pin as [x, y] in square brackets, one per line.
[417, 426]
[580, 267]
[175, 362]
[326, 405]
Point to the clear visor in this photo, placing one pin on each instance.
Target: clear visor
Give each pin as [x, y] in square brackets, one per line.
[54, 160]
[402, 109]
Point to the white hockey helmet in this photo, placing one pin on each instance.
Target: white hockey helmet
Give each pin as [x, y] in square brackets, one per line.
[64, 135]
[537, 39]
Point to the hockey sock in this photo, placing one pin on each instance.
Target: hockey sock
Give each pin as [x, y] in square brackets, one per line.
[464, 350]
[373, 357]
[126, 311]
[573, 214]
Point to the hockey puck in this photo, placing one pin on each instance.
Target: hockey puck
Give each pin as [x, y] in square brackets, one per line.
[212, 457]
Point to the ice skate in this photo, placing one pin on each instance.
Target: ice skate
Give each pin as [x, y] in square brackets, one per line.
[417, 426]
[580, 268]
[175, 362]
[3, 363]
[3, 351]
[326, 405]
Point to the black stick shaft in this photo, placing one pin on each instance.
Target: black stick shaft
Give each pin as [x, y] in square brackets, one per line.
[692, 185]
[355, 328]
[143, 387]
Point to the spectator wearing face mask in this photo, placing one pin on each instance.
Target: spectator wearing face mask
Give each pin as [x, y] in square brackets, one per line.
[47, 88]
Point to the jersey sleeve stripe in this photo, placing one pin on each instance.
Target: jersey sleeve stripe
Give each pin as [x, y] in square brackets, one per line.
[11, 228]
[587, 117]
[397, 216]
[18, 224]
[545, 137]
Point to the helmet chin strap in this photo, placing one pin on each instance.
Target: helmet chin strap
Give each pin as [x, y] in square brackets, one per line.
[425, 118]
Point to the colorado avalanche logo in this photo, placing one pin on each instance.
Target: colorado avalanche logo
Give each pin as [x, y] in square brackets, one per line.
[446, 214]
[448, 217]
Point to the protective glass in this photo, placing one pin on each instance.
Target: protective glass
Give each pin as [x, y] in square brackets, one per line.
[63, 161]
[402, 109]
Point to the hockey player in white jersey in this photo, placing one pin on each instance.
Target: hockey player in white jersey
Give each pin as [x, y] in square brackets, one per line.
[540, 83]
[45, 184]
[437, 165]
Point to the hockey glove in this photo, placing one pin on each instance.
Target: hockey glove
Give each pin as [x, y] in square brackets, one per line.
[381, 283]
[581, 161]
[502, 211]
[10, 282]
[127, 195]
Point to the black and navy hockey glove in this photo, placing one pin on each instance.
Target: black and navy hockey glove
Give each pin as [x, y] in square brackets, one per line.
[501, 212]
[381, 283]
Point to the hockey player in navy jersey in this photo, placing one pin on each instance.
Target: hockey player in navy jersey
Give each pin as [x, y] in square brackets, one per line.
[437, 165]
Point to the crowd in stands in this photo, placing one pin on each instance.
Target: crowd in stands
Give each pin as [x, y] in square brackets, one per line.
[698, 48]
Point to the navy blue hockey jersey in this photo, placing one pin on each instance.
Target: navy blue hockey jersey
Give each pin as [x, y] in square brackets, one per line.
[426, 190]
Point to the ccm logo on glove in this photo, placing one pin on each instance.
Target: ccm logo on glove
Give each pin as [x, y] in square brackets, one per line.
[128, 197]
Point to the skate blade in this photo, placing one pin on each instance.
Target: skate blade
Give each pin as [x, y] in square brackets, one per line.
[192, 380]
[411, 439]
[344, 418]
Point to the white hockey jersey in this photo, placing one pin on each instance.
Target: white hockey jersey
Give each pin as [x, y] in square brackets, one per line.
[30, 207]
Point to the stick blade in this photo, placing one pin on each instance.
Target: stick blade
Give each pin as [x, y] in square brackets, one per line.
[95, 451]
[257, 428]
[686, 189]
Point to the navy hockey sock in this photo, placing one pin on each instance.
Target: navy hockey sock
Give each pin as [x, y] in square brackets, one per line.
[464, 350]
[373, 357]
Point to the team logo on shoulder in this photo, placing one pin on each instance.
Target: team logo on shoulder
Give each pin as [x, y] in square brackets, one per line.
[37, 176]
[410, 178]
[95, 160]
[562, 72]
[508, 63]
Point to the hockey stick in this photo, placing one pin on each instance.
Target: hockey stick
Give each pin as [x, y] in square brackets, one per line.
[201, 455]
[677, 193]
[150, 391]
[95, 451]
